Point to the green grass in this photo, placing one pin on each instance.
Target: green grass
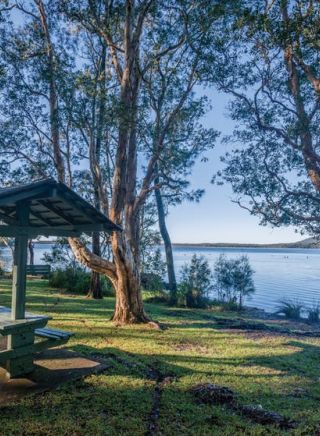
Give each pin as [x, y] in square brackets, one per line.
[262, 369]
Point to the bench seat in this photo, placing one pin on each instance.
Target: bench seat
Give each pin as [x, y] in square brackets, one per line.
[53, 338]
[39, 270]
[52, 333]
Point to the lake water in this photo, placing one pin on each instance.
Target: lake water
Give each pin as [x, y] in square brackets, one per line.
[279, 273]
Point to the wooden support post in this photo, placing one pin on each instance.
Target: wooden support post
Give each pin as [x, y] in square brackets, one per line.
[20, 264]
[21, 365]
[19, 277]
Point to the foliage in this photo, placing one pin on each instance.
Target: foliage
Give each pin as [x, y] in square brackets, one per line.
[61, 256]
[219, 305]
[153, 266]
[100, 95]
[196, 282]
[314, 313]
[153, 270]
[269, 66]
[233, 279]
[76, 280]
[291, 309]
[156, 297]
[71, 279]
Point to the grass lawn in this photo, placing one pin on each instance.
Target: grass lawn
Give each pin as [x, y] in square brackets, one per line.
[265, 369]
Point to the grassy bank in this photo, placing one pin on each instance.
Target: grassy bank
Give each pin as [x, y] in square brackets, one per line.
[146, 388]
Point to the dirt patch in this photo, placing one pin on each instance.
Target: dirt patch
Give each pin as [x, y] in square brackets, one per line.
[189, 346]
[266, 417]
[250, 334]
[210, 393]
[298, 393]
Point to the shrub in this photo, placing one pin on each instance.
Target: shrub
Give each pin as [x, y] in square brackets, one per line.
[77, 281]
[72, 280]
[290, 309]
[233, 279]
[223, 306]
[196, 282]
[151, 281]
[156, 297]
[314, 313]
[152, 270]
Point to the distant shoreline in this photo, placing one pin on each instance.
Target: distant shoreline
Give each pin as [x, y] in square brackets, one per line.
[300, 244]
[306, 243]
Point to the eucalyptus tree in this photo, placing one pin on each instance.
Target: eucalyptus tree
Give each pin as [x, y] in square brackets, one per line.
[53, 115]
[138, 36]
[271, 69]
[91, 121]
[44, 130]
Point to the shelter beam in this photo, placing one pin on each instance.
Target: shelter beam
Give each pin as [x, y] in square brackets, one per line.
[20, 265]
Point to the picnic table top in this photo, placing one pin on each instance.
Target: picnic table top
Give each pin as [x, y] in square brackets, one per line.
[7, 324]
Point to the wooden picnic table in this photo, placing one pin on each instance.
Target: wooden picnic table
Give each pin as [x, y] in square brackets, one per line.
[9, 325]
[19, 356]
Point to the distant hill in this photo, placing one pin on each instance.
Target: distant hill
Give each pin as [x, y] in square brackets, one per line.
[305, 243]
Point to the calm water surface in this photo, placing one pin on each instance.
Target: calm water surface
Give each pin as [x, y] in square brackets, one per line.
[279, 273]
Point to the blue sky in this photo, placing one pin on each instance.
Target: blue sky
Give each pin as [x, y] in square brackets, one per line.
[216, 218]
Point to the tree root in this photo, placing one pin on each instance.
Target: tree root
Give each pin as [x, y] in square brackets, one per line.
[151, 372]
[210, 393]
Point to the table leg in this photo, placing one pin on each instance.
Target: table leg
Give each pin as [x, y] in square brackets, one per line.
[24, 364]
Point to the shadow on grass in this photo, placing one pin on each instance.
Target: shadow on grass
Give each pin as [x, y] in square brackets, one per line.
[303, 362]
[121, 398]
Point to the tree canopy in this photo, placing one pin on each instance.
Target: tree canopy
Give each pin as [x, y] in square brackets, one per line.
[270, 68]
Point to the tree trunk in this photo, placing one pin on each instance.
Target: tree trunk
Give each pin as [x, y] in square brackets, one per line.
[124, 271]
[129, 305]
[95, 290]
[31, 252]
[168, 248]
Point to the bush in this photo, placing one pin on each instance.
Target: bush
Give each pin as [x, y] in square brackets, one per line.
[72, 280]
[314, 313]
[77, 281]
[222, 306]
[196, 282]
[290, 309]
[151, 281]
[233, 280]
[156, 297]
